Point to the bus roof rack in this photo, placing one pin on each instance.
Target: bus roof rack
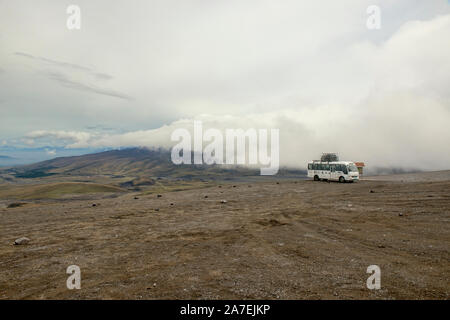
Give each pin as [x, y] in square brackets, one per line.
[329, 157]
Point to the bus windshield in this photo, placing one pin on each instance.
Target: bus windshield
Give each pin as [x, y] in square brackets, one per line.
[352, 168]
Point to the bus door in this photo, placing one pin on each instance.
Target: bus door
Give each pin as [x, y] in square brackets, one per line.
[333, 174]
[327, 172]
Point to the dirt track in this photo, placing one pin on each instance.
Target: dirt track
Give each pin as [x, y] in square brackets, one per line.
[304, 240]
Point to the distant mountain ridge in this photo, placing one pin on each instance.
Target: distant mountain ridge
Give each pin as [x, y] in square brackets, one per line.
[137, 163]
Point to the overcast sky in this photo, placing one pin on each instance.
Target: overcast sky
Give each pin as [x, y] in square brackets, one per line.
[138, 69]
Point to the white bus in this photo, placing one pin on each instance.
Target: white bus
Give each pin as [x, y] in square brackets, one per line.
[341, 171]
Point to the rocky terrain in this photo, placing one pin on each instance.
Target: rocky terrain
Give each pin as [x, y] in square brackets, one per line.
[280, 239]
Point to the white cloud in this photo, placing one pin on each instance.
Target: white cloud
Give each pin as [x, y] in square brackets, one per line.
[50, 152]
[61, 135]
[312, 69]
[28, 142]
[409, 138]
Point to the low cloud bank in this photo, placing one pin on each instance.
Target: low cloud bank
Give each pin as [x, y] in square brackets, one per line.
[400, 131]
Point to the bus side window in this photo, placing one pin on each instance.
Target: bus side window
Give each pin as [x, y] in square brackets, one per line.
[344, 169]
[332, 167]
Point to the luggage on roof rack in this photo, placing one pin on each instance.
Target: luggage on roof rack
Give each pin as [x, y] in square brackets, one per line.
[329, 157]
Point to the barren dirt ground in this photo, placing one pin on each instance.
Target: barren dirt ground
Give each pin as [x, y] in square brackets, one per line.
[292, 240]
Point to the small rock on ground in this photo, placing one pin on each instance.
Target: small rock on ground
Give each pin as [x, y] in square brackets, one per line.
[21, 241]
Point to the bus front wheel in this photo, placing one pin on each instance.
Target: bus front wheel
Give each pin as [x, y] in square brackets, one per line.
[316, 178]
[341, 179]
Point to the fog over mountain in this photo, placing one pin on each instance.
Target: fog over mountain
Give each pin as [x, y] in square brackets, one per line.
[134, 73]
